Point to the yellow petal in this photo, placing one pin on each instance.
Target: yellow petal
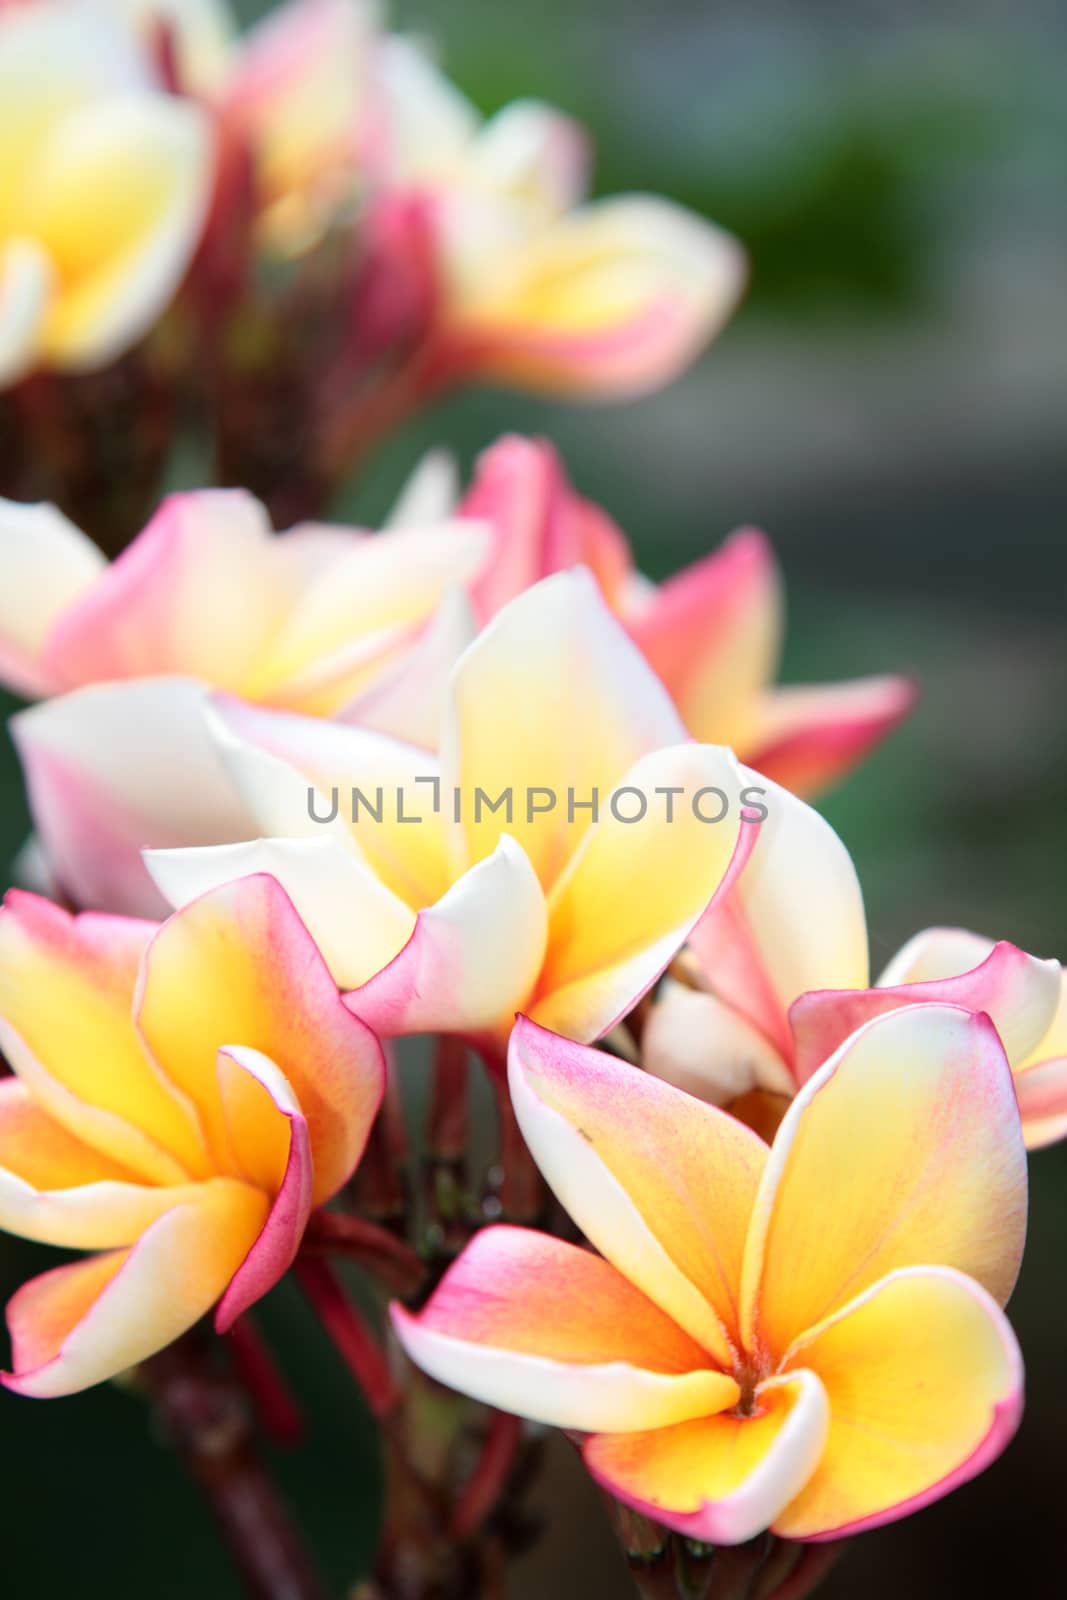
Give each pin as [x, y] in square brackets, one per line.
[551, 697]
[924, 1379]
[606, 944]
[66, 1003]
[720, 1479]
[117, 200]
[80, 1324]
[238, 968]
[904, 1149]
[661, 1184]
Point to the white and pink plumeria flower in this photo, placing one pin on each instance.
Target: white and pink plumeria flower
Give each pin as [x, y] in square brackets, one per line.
[712, 632]
[326, 620]
[552, 859]
[806, 1337]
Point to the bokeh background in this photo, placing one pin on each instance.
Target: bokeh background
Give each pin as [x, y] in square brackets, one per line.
[891, 406]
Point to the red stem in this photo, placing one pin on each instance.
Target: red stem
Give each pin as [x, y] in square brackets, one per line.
[206, 1421]
[381, 1252]
[519, 1187]
[489, 1479]
[349, 1334]
[263, 1382]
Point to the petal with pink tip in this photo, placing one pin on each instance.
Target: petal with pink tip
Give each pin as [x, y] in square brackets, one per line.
[807, 738]
[66, 995]
[46, 565]
[1042, 1091]
[116, 767]
[661, 1184]
[192, 594]
[550, 697]
[615, 298]
[540, 525]
[720, 1479]
[238, 966]
[607, 945]
[924, 1379]
[80, 1324]
[904, 1149]
[472, 960]
[551, 1332]
[268, 1136]
[1018, 992]
[794, 921]
[713, 633]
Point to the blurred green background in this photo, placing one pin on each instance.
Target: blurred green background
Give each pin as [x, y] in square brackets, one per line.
[890, 406]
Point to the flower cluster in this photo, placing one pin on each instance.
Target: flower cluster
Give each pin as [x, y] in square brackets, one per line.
[752, 1219]
[806, 1195]
[333, 231]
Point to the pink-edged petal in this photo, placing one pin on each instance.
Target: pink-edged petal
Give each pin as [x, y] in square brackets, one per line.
[1042, 1091]
[1018, 992]
[933, 954]
[613, 299]
[661, 1184]
[269, 1137]
[793, 921]
[357, 923]
[551, 698]
[713, 633]
[238, 967]
[720, 1479]
[80, 1324]
[116, 767]
[352, 622]
[473, 959]
[46, 565]
[807, 738]
[544, 1329]
[192, 594]
[925, 1383]
[658, 827]
[904, 1149]
[540, 525]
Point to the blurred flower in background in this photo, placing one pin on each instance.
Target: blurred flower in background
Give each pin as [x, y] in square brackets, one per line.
[369, 242]
[104, 185]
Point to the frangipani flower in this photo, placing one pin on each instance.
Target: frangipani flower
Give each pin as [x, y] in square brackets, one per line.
[314, 619]
[783, 979]
[481, 882]
[538, 288]
[713, 632]
[298, 94]
[183, 1096]
[104, 185]
[806, 1337]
